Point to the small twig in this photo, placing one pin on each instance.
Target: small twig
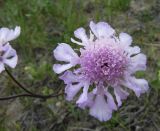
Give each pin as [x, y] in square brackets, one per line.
[30, 95]
[81, 128]
[19, 84]
[155, 125]
[151, 44]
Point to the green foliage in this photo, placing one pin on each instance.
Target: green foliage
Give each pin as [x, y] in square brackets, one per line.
[118, 5]
[38, 72]
[156, 82]
[159, 75]
[29, 18]
[145, 16]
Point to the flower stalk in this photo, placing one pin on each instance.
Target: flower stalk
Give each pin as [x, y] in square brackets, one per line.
[28, 93]
[18, 83]
[31, 96]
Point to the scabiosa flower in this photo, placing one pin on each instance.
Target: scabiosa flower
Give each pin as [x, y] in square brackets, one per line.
[104, 67]
[8, 55]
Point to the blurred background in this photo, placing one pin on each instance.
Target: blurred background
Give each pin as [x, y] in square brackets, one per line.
[44, 23]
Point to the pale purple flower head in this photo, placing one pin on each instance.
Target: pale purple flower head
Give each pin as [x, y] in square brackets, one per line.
[105, 62]
[8, 55]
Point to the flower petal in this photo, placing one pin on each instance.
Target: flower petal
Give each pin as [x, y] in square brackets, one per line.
[77, 42]
[80, 33]
[83, 96]
[10, 56]
[89, 102]
[138, 63]
[100, 109]
[125, 39]
[91, 36]
[3, 34]
[72, 90]
[68, 77]
[58, 68]
[139, 86]
[8, 51]
[133, 50]
[120, 95]
[111, 101]
[8, 35]
[11, 62]
[1, 67]
[64, 52]
[101, 29]
[14, 33]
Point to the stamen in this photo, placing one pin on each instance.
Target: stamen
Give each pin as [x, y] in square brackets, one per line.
[103, 64]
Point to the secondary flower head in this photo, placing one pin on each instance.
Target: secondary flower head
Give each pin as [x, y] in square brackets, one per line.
[106, 62]
[8, 55]
[7, 35]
